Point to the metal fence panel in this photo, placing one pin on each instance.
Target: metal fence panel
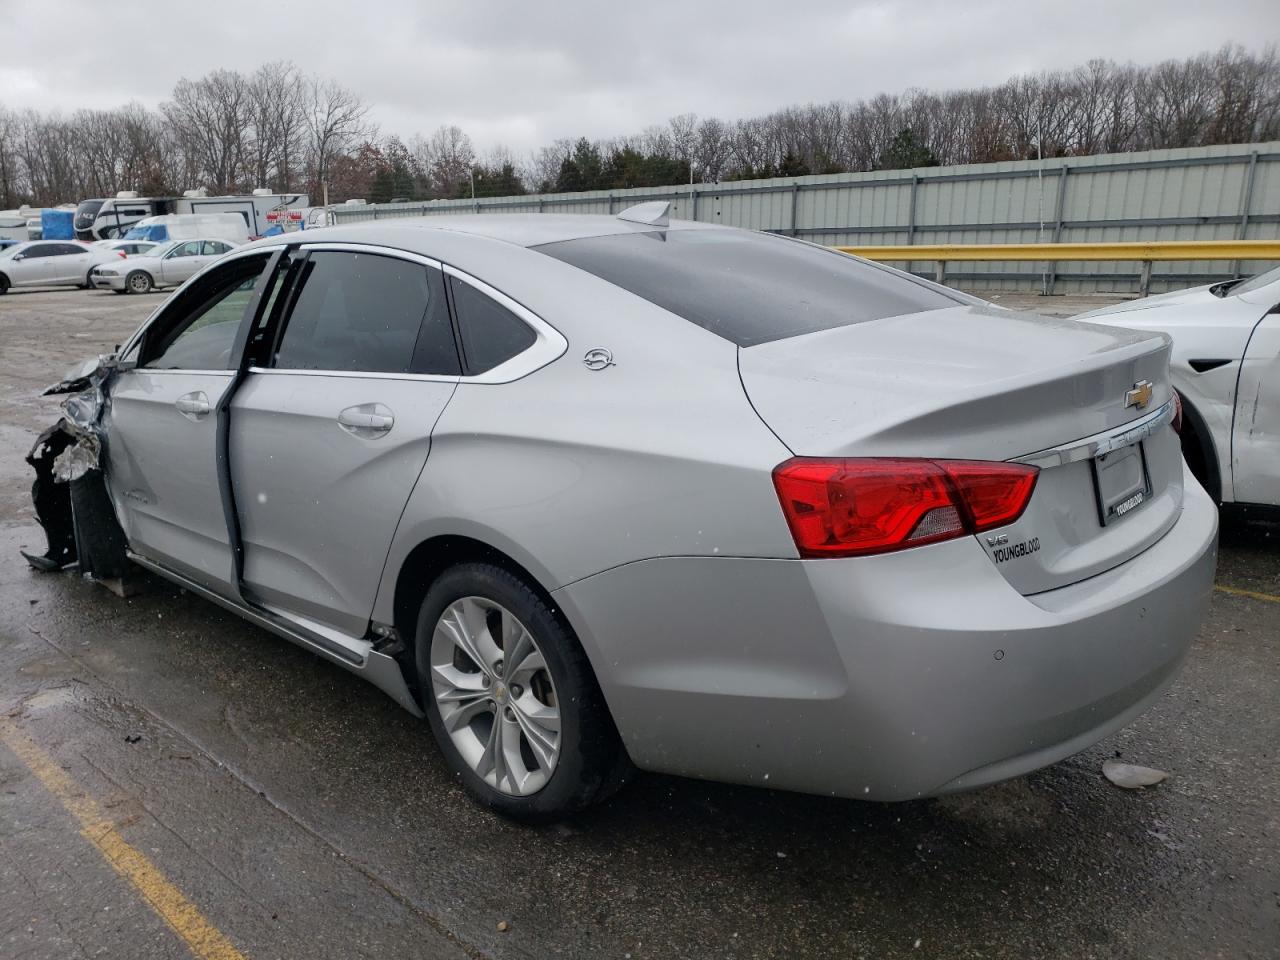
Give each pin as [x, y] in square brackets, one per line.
[1223, 192]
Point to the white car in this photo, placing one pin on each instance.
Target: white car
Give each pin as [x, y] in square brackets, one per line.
[130, 248]
[168, 265]
[1226, 366]
[47, 263]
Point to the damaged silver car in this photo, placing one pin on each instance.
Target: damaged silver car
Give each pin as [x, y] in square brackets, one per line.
[597, 493]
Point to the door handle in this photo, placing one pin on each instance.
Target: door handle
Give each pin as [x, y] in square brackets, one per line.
[194, 405]
[367, 420]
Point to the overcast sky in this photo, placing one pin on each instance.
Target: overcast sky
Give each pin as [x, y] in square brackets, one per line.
[523, 73]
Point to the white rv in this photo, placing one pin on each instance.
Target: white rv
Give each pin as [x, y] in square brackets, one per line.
[105, 219]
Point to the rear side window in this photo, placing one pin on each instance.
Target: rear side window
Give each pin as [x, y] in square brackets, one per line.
[490, 333]
[369, 313]
[748, 287]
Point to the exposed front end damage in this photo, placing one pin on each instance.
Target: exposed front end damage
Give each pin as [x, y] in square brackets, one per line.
[69, 492]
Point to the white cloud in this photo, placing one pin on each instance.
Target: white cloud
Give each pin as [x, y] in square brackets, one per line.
[523, 74]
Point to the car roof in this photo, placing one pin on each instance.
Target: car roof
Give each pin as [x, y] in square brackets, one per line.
[422, 233]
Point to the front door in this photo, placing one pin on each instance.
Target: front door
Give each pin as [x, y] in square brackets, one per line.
[1255, 432]
[330, 432]
[161, 423]
[36, 266]
[182, 262]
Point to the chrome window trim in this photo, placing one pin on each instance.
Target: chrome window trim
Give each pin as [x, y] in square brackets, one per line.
[361, 374]
[181, 370]
[372, 248]
[1100, 443]
[550, 343]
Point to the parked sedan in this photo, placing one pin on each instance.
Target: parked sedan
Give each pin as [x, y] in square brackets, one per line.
[1226, 366]
[593, 492]
[45, 263]
[165, 266]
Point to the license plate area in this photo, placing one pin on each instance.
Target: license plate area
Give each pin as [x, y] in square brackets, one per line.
[1121, 482]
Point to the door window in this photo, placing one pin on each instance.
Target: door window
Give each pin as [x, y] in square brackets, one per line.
[490, 333]
[189, 249]
[43, 250]
[376, 314]
[70, 249]
[213, 248]
[198, 327]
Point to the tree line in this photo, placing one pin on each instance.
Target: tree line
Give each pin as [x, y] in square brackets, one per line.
[283, 129]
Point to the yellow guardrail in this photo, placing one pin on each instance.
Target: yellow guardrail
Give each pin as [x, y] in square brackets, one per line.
[1145, 252]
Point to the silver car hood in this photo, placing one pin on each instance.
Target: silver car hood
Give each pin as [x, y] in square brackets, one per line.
[974, 382]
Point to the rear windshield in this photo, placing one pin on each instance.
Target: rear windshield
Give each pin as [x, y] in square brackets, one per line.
[749, 288]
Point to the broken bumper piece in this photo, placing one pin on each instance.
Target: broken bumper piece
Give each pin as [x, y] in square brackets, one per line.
[69, 492]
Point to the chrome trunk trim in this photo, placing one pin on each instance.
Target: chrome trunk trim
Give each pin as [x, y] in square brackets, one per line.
[1101, 443]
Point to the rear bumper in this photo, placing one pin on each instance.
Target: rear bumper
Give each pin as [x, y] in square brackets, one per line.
[888, 677]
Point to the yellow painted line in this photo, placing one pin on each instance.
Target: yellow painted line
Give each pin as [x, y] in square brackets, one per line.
[204, 939]
[1252, 594]
[1126, 250]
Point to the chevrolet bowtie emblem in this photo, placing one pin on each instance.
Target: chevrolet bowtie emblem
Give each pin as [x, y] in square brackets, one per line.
[1140, 395]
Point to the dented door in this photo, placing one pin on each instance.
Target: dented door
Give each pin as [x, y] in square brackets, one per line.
[1255, 434]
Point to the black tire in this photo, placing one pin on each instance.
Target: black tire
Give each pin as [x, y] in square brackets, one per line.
[4, 284]
[139, 281]
[592, 762]
[88, 280]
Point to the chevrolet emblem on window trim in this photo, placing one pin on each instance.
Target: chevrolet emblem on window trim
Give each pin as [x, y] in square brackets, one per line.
[1140, 395]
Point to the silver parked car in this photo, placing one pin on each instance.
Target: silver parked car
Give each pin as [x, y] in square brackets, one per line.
[593, 492]
[165, 265]
[51, 263]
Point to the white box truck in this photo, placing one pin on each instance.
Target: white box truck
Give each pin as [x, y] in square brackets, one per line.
[190, 226]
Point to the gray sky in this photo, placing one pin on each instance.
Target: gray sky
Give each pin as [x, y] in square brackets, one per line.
[523, 73]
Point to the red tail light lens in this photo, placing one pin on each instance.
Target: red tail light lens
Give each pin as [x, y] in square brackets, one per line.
[853, 507]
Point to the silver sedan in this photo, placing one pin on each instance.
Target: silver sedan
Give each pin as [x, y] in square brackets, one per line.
[598, 493]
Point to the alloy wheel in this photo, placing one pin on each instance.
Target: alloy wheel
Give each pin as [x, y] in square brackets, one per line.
[495, 695]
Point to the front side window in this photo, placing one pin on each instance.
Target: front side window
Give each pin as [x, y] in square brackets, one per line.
[42, 250]
[749, 287]
[198, 327]
[369, 313]
[189, 249]
[490, 333]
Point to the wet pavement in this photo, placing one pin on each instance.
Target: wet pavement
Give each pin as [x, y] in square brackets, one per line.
[302, 814]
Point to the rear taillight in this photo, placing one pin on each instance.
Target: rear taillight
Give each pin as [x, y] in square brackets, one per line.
[853, 507]
[1177, 412]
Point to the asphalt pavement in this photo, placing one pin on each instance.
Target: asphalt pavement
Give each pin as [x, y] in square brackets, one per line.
[175, 782]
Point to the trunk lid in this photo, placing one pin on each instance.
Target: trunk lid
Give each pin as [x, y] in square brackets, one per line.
[983, 383]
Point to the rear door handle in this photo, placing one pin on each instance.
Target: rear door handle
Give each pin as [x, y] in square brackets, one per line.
[194, 405]
[367, 420]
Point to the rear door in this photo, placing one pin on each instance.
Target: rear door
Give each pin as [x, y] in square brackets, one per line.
[74, 264]
[331, 429]
[162, 426]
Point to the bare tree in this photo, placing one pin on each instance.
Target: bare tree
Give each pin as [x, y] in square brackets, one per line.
[336, 119]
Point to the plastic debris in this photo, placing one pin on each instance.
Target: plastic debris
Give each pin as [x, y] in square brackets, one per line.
[1130, 776]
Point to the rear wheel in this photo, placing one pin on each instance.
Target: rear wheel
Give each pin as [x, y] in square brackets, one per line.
[4, 284]
[511, 699]
[88, 280]
[138, 282]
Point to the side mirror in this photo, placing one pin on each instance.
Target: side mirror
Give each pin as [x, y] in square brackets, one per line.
[19, 256]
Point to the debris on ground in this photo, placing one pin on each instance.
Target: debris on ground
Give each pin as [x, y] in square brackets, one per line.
[1130, 776]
